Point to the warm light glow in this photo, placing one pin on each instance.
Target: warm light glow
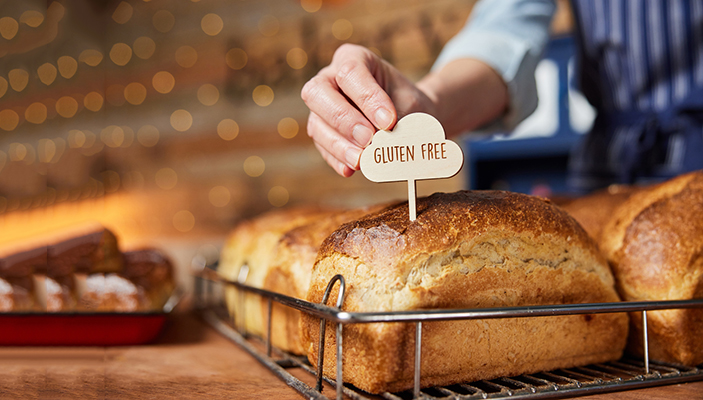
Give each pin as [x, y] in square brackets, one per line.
[91, 57]
[46, 149]
[211, 24]
[342, 29]
[93, 101]
[297, 58]
[311, 6]
[67, 106]
[90, 139]
[123, 13]
[219, 196]
[181, 120]
[3, 86]
[9, 120]
[121, 53]
[128, 136]
[114, 94]
[8, 27]
[236, 58]
[186, 56]
[288, 128]
[268, 25]
[278, 196]
[148, 135]
[163, 82]
[35, 113]
[208, 94]
[32, 18]
[254, 166]
[67, 66]
[111, 181]
[17, 151]
[144, 47]
[227, 129]
[135, 93]
[166, 178]
[47, 73]
[18, 79]
[262, 95]
[60, 147]
[76, 139]
[112, 136]
[183, 221]
[163, 21]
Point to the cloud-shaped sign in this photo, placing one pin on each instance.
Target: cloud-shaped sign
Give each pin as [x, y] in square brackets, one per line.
[415, 149]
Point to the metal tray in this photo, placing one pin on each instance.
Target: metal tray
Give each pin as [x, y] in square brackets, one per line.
[592, 379]
[84, 329]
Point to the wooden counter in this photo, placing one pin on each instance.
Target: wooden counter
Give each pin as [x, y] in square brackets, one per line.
[189, 360]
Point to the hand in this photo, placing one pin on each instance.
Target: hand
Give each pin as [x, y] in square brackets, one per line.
[357, 94]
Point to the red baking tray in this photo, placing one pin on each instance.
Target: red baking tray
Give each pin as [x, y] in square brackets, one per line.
[83, 329]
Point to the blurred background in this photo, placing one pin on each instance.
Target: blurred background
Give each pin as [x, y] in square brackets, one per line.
[178, 118]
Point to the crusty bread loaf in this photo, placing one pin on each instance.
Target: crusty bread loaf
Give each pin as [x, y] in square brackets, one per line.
[465, 250]
[654, 243]
[594, 210]
[291, 268]
[253, 243]
[152, 271]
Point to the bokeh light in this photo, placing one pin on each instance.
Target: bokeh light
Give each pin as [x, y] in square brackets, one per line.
[219, 196]
[32, 18]
[128, 136]
[9, 120]
[111, 181]
[163, 21]
[254, 166]
[269, 25]
[144, 47]
[262, 95]
[148, 135]
[3, 86]
[211, 24]
[67, 66]
[166, 178]
[228, 129]
[163, 82]
[46, 149]
[17, 151]
[208, 94]
[91, 57]
[135, 93]
[122, 13]
[112, 136]
[278, 196]
[67, 106]
[120, 54]
[76, 139]
[181, 120]
[311, 6]
[342, 29]
[8, 27]
[183, 221]
[93, 101]
[18, 79]
[186, 56]
[236, 58]
[35, 113]
[47, 73]
[297, 58]
[288, 128]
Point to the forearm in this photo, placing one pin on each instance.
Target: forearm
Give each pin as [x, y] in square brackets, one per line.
[465, 94]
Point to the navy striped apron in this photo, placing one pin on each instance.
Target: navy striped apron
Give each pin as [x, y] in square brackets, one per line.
[640, 64]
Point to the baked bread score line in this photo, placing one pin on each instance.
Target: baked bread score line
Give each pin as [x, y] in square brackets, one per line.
[466, 250]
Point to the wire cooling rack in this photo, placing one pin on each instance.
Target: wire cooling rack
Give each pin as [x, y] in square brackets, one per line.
[619, 375]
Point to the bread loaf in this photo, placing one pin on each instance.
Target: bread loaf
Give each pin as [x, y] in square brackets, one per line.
[253, 243]
[465, 250]
[654, 243]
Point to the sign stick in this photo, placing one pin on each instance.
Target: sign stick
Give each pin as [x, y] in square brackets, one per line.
[412, 197]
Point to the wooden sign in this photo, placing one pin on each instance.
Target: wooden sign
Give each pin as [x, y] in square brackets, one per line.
[416, 149]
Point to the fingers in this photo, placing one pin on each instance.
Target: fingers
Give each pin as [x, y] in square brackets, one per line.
[338, 151]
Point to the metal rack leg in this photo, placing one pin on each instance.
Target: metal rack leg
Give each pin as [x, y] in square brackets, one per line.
[418, 358]
[268, 328]
[645, 340]
[321, 342]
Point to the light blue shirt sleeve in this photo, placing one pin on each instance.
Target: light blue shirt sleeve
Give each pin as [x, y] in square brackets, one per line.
[510, 36]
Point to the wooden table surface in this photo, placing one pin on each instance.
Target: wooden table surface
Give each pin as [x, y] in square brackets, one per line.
[189, 360]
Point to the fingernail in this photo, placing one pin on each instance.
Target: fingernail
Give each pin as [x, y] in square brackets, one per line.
[383, 118]
[352, 155]
[362, 135]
